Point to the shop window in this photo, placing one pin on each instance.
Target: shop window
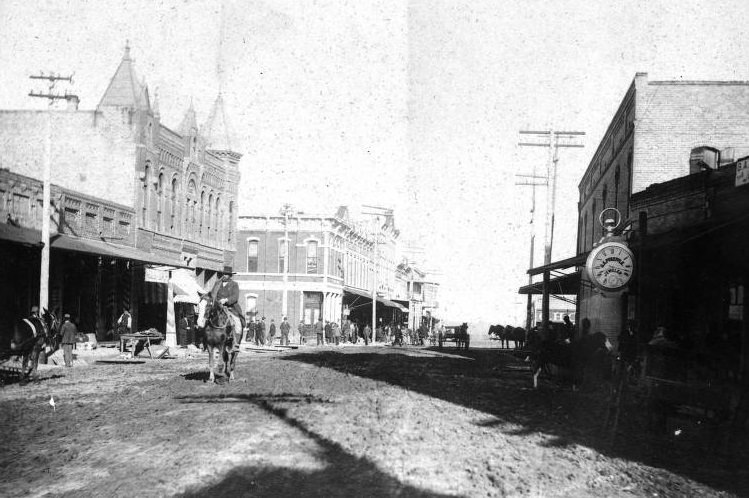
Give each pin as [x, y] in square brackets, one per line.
[252, 250]
[736, 303]
[251, 305]
[312, 257]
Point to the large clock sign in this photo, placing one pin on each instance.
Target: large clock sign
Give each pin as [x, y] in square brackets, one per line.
[610, 266]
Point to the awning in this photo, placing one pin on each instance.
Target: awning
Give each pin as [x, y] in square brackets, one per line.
[102, 248]
[578, 260]
[391, 304]
[20, 235]
[357, 292]
[185, 287]
[562, 285]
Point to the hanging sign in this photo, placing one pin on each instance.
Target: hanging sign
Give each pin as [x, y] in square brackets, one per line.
[742, 172]
[157, 276]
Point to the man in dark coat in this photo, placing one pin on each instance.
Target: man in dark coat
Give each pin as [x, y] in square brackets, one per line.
[68, 332]
[271, 332]
[226, 292]
[285, 327]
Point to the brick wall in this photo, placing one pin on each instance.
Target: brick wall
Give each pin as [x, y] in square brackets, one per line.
[674, 117]
[90, 156]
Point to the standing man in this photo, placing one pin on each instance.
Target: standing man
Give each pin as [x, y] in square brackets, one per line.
[300, 329]
[319, 328]
[68, 331]
[285, 327]
[271, 332]
[367, 332]
[260, 338]
[124, 322]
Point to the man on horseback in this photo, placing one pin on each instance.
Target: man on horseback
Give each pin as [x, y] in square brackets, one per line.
[226, 292]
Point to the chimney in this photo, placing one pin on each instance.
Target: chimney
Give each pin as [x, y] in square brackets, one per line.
[73, 102]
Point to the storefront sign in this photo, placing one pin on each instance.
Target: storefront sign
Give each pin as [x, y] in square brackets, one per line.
[157, 276]
[742, 172]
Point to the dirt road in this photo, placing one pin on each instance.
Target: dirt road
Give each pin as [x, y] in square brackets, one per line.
[350, 421]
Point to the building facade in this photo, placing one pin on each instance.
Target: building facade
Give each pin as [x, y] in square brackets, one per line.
[140, 212]
[650, 140]
[307, 267]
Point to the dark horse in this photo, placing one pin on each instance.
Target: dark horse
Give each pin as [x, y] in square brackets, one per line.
[588, 352]
[30, 337]
[219, 328]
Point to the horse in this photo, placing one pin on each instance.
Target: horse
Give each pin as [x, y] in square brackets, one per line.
[30, 337]
[219, 326]
[573, 356]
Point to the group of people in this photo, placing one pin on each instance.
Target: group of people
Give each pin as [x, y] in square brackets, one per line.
[263, 335]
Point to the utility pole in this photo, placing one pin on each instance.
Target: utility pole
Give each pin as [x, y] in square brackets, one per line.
[377, 212]
[534, 181]
[287, 211]
[553, 140]
[51, 96]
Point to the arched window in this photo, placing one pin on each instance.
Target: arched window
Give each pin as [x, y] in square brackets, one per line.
[144, 195]
[201, 214]
[593, 223]
[173, 206]
[217, 220]
[604, 196]
[230, 222]
[252, 249]
[160, 203]
[192, 199]
[209, 218]
[616, 187]
[585, 233]
[312, 256]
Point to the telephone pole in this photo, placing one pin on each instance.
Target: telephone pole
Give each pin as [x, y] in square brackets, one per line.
[553, 140]
[534, 181]
[51, 96]
[287, 211]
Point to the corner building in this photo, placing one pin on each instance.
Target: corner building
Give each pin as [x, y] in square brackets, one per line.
[142, 214]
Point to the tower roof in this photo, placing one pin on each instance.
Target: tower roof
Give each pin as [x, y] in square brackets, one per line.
[189, 122]
[124, 90]
[217, 131]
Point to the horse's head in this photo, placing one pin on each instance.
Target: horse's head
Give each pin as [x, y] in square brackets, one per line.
[203, 305]
[51, 322]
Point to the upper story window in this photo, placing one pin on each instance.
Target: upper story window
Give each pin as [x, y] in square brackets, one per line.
[312, 256]
[252, 251]
[173, 206]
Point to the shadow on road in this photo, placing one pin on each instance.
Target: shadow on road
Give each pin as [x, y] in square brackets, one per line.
[495, 383]
[333, 480]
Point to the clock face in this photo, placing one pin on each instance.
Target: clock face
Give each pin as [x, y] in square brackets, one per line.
[610, 266]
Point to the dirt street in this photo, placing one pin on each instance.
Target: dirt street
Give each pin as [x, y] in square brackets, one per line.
[351, 421]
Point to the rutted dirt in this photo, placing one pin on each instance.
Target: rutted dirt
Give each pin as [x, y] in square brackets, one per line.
[354, 421]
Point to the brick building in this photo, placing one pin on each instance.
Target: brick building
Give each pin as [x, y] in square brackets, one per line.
[309, 266]
[131, 198]
[691, 243]
[650, 140]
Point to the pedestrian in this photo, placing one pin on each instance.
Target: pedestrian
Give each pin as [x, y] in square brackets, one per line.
[336, 333]
[251, 331]
[68, 332]
[354, 333]
[271, 332]
[261, 332]
[569, 329]
[319, 329]
[285, 327]
[328, 332]
[300, 329]
[124, 322]
[367, 332]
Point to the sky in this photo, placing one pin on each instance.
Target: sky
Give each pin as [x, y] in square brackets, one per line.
[412, 105]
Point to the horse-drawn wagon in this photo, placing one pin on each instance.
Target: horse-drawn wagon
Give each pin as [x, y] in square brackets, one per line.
[455, 333]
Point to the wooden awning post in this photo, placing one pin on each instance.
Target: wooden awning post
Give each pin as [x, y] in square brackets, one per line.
[545, 304]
